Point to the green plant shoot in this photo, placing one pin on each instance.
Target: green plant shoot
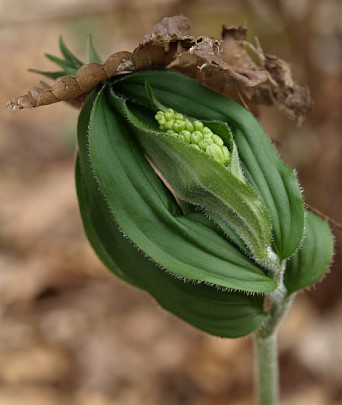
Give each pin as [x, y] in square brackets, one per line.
[183, 195]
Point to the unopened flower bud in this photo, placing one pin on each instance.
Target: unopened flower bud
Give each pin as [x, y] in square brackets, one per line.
[169, 114]
[169, 124]
[216, 153]
[171, 132]
[195, 146]
[207, 132]
[226, 153]
[198, 125]
[189, 127]
[217, 140]
[178, 116]
[179, 125]
[196, 136]
[186, 134]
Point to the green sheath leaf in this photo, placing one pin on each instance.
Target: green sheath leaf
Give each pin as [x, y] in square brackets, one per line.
[149, 216]
[200, 305]
[220, 313]
[198, 179]
[92, 205]
[275, 182]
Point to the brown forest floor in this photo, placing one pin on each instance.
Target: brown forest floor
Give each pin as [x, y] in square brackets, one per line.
[70, 333]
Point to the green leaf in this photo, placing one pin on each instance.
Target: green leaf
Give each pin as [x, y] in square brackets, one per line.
[274, 181]
[92, 54]
[220, 313]
[69, 69]
[91, 202]
[198, 179]
[70, 65]
[311, 261]
[50, 75]
[70, 58]
[149, 216]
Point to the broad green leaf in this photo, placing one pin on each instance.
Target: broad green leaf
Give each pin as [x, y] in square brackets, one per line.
[311, 261]
[92, 206]
[263, 169]
[198, 179]
[150, 218]
[220, 313]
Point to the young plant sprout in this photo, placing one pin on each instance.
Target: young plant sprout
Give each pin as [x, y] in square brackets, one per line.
[245, 237]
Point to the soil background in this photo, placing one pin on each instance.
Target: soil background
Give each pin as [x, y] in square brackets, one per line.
[73, 334]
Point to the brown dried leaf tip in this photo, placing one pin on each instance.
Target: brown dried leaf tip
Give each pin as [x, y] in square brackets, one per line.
[224, 65]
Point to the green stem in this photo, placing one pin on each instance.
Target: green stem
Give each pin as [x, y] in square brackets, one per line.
[267, 369]
[267, 374]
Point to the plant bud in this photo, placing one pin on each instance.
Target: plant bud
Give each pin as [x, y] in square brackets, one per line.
[198, 126]
[196, 137]
[216, 153]
[196, 207]
[179, 125]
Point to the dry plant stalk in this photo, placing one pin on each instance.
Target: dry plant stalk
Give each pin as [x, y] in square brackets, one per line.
[224, 65]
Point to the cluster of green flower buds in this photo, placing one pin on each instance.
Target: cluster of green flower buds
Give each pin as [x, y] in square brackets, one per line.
[195, 133]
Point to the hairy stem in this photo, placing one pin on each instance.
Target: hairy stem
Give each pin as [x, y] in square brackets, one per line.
[267, 374]
[279, 303]
[267, 368]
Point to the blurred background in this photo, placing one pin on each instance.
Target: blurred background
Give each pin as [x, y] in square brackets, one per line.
[71, 333]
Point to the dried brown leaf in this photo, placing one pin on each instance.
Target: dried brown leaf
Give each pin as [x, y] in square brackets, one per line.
[225, 65]
[177, 25]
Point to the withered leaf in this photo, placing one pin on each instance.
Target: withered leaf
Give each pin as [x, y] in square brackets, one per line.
[224, 65]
